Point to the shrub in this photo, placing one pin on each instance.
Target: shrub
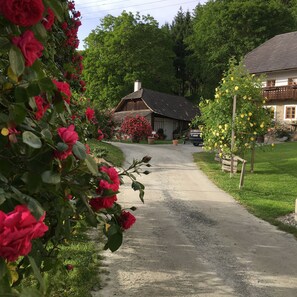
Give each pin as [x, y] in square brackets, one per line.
[48, 180]
[137, 128]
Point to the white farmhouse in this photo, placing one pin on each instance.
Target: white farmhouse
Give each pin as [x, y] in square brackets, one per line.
[277, 60]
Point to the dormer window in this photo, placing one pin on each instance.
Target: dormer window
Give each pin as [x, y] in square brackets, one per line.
[270, 83]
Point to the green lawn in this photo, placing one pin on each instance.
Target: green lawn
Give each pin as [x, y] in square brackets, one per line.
[111, 153]
[270, 191]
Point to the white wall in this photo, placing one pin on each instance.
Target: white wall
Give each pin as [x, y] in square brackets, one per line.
[281, 77]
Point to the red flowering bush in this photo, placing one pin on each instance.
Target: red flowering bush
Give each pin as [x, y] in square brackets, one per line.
[49, 181]
[137, 128]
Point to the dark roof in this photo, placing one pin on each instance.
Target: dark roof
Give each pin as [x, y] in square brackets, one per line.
[171, 106]
[277, 53]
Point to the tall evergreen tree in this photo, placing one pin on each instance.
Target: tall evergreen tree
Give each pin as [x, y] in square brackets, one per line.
[181, 28]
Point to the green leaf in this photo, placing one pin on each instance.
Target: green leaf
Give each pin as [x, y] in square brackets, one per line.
[17, 61]
[32, 140]
[92, 165]
[50, 177]
[3, 268]
[114, 241]
[4, 43]
[33, 181]
[21, 94]
[61, 146]
[29, 292]
[57, 9]
[33, 90]
[79, 150]
[35, 207]
[46, 134]
[39, 31]
[17, 112]
[46, 84]
[37, 273]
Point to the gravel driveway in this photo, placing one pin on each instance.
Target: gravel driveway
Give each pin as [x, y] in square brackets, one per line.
[192, 239]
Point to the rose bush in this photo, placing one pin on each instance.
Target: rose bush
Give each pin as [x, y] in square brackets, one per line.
[49, 181]
[137, 128]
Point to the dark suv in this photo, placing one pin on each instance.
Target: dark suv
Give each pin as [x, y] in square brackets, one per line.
[195, 136]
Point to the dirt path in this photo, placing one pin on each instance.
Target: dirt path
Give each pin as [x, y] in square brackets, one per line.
[192, 239]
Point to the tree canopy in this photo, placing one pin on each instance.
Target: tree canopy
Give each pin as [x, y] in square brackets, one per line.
[231, 28]
[124, 49]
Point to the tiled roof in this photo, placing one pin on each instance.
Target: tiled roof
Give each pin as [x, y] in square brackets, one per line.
[171, 106]
[277, 53]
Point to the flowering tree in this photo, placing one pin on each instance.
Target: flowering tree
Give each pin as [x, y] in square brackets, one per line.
[251, 121]
[137, 128]
[48, 179]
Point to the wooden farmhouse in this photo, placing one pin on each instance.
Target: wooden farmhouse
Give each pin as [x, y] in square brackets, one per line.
[168, 112]
[276, 59]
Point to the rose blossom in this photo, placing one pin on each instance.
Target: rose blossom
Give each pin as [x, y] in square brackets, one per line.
[30, 47]
[68, 135]
[42, 107]
[49, 20]
[100, 135]
[24, 13]
[102, 202]
[126, 219]
[63, 88]
[17, 229]
[90, 113]
[114, 182]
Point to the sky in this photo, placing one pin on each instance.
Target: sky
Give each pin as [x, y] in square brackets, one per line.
[162, 10]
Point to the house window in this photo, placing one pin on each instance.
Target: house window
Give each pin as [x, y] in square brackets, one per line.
[290, 112]
[292, 81]
[270, 83]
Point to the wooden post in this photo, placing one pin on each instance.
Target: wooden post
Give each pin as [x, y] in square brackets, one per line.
[233, 133]
[242, 175]
[252, 159]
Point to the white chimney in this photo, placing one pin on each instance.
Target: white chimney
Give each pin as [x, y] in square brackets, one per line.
[137, 85]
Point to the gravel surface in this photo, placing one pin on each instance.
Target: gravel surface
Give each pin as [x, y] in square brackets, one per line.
[192, 239]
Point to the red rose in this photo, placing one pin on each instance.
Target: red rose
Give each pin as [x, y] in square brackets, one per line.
[42, 107]
[102, 202]
[100, 135]
[24, 13]
[68, 135]
[90, 113]
[17, 229]
[30, 47]
[113, 183]
[63, 88]
[49, 20]
[63, 155]
[126, 219]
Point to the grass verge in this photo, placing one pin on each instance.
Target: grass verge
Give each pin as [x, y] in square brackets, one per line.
[270, 191]
[111, 153]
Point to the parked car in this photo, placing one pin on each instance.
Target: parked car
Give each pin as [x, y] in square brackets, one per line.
[195, 136]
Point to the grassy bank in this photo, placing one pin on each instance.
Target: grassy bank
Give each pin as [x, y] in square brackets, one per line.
[270, 191]
[111, 153]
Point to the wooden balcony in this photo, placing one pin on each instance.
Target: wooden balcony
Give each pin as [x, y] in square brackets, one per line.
[280, 93]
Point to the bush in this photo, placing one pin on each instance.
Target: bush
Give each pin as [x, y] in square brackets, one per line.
[137, 128]
[48, 179]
